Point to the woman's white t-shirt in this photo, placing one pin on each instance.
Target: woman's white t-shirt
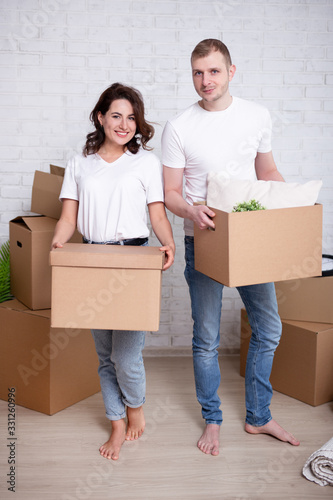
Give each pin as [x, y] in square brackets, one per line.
[113, 196]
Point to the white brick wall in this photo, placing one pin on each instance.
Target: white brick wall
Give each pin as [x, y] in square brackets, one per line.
[56, 56]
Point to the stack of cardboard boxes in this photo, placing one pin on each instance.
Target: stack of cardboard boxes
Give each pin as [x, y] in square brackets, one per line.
[303, 362]
[51, 368]
[46, 348]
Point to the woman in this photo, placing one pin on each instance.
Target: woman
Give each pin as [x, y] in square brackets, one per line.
[105, 193]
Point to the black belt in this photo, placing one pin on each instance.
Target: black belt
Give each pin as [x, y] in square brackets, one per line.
[132, 242]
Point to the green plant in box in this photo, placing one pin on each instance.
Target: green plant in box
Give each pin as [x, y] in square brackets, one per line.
[5, 273]
[248, 206]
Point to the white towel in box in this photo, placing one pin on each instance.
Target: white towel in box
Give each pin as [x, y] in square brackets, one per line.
[224, 194]
[319, 466]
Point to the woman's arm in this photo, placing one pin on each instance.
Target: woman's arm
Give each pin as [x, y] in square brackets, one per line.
[66, 225]
[162, 228]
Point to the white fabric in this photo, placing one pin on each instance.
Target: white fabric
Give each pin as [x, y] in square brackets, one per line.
[224, 194]
[228, 141]
[319, 466]
[113, 196]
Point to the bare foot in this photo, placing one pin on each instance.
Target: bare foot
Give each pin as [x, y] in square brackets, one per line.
[275, 430]
[210, 440]
[111, 448]
[136, 423]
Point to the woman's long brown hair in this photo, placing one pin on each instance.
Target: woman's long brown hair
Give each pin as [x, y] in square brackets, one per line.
[144, 131]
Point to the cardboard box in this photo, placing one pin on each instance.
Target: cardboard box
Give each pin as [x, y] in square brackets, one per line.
[30, 273]
[306, 299]
[303, 361]
[106, 286]
[50, 369]
[45, 192]
[30, 242]
[248, 248]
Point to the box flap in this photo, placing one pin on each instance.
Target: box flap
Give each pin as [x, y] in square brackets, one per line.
[37, 222]
[45, 194]
[304, 325]
[308, 299]
[55, 170]
[16, 305]
[310, 326]
[107, 256]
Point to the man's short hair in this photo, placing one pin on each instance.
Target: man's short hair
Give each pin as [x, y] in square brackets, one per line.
[205, 47]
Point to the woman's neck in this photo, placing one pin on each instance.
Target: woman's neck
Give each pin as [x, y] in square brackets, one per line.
[110, 153]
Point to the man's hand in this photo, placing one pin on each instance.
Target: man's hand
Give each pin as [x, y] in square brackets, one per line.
[202, 216]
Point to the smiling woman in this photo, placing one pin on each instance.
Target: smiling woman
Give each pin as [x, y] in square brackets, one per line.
[119, 128]
[118, 92]
[105, 193]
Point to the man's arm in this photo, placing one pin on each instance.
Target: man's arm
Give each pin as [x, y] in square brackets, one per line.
[266, 169]
[174, 201]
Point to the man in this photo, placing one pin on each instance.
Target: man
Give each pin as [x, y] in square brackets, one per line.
[222, 133]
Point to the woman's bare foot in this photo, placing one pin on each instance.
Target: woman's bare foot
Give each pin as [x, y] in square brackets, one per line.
[209, 442]
[111, 448]
[136, 423]
[275, 430]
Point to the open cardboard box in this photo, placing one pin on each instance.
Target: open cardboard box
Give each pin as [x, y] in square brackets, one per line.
[106, 287]
[30, 272]
[30, 241]
[248, 248]
[50, 368]
[307, 299]
[303, 361]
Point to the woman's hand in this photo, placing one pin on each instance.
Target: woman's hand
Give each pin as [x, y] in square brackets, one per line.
[163, 231]
[169, 256]
[56, 244]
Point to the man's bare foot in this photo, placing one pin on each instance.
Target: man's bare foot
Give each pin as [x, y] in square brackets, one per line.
[209, 442]
[111, 448]
[136, 423]
[275, 430]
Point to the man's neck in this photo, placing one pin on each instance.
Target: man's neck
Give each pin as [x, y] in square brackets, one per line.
[219, 105]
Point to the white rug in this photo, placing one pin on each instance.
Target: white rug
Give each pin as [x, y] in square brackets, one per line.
[319, 466]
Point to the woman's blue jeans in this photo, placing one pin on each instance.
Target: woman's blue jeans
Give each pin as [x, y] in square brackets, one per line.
[261, 306]
[121, 370]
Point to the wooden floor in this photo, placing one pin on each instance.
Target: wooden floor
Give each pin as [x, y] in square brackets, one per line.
[58, 458]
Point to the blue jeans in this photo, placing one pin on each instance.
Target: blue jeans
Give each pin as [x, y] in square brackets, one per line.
[121, 370]
[261, 306]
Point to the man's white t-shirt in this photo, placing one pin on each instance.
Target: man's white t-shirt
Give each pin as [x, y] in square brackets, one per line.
[113, 196]
[228, 141]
